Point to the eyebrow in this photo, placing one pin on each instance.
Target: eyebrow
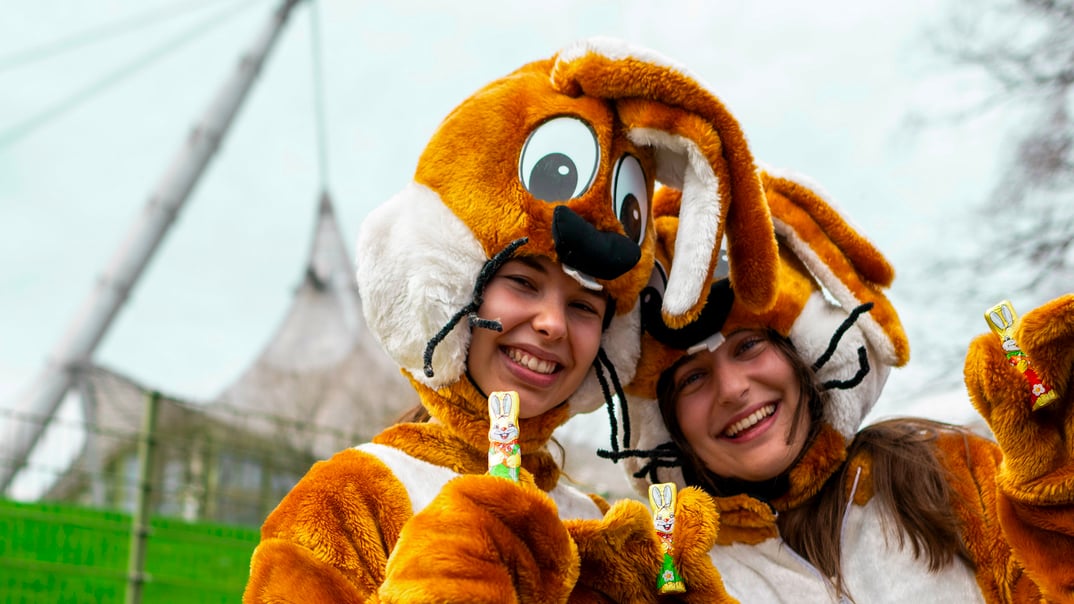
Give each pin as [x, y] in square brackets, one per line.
[532, 262]
[683, 360]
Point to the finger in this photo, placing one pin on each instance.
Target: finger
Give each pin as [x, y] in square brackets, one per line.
[1046, 334]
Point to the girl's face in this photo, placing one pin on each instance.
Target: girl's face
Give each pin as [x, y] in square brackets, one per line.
[551, 334]
[736, 407]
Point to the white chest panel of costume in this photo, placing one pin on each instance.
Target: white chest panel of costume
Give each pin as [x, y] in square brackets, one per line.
[423, 480]
[874, 567]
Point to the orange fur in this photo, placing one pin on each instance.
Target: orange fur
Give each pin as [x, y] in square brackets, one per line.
[744, 519]
[1029, 486]
[823, 458]
[332, 534]
[621, 556]
[484, 539]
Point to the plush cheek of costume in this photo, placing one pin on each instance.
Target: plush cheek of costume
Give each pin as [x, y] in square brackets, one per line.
[1013, 497]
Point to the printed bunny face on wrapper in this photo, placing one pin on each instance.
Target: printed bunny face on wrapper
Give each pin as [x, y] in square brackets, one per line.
[830, 304]
[560, 159]
[662, 502]
[503, 417]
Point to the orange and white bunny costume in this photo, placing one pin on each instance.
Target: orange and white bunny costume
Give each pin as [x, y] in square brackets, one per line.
[558, 159]
[1014, 500]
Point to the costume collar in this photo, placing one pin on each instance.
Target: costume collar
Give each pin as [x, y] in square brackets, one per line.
[744, 517]
[458, 438]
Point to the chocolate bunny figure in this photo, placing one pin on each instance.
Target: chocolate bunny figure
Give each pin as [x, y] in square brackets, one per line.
[504, 453]
[662, 501]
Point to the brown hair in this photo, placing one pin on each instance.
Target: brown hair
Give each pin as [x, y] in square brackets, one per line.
[909, 482]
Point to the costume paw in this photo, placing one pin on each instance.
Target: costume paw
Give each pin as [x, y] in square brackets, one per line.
[1034, 443]
[483, 539]
[696, 526]
[620, 555]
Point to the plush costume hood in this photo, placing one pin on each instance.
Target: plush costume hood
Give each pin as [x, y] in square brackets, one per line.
[830, 303]
[560, 159]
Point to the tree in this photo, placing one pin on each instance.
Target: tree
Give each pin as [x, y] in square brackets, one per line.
[1026, 48]
[1021, 235]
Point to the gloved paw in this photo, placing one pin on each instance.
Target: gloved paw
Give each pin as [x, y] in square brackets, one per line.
[620, 555]
[1034, 443]
[483, 539]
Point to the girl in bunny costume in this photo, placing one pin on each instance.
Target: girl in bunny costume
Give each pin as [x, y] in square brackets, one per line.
[549, 169]
[810, 508]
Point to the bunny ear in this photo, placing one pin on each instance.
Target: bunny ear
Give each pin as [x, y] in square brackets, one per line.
[655, 497]
[509, 406]
[667, 495]
[842, 260]
[502, 404]
[699, 149]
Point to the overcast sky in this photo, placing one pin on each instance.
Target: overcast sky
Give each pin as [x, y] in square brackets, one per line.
[826, 88]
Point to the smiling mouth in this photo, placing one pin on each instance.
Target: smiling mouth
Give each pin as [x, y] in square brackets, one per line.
[531, 362]
[750, 421]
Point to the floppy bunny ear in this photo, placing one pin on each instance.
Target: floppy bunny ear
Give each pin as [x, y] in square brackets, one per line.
[508, 406]
[502, 404]
[699, 149]
[655, 497]
[840, 258]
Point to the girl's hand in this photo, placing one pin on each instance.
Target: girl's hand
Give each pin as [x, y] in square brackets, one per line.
[1039, 443]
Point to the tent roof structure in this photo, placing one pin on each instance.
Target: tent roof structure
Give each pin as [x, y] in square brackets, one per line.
[322, 366]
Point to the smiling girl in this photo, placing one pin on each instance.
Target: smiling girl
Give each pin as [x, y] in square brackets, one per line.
[513, 262]
[742, 407]
[762, 407]
[550, 333]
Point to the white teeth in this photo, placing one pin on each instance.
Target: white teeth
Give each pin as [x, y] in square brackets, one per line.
[531, 362]
[751, 420]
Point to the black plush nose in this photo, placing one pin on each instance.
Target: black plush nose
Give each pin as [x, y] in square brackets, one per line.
[713, 315]
[598, 254]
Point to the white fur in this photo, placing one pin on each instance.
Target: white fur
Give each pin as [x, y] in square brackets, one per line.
[874, 567]
[811, 332]
[417, 264]
[423, 481]
[839, 290]
[699, 214]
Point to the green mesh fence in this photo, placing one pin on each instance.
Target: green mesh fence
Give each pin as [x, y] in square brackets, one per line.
[53, 553]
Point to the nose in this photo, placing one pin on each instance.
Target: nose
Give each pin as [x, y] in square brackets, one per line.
[550, 319]
[731, 383]
[580, 245]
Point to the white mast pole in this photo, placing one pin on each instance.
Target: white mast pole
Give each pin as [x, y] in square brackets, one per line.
[93, 319]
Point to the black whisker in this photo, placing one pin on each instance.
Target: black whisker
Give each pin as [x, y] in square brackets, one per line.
[838, 335]
[487, 271]
[863, 370]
